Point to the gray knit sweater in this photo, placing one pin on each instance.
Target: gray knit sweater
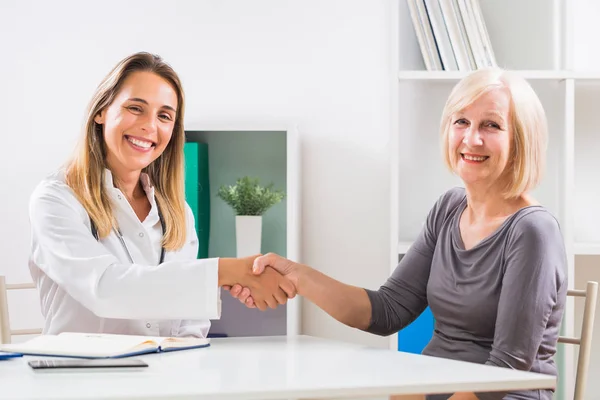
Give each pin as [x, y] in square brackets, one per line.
[499, 303]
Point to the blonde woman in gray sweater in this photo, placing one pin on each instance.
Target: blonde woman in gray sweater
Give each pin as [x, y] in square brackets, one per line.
[490, 261]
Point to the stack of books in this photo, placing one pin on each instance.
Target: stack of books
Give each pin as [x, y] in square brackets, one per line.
[452, 34]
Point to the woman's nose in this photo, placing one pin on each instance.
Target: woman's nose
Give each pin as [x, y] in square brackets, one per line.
[149, 123]
[472, 137]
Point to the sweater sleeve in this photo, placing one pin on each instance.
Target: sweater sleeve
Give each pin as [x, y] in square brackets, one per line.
[403, 297]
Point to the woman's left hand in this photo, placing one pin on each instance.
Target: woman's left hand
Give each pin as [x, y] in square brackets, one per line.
[242, 294]
[282, 265]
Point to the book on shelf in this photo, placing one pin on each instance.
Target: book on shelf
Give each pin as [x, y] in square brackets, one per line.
[483, 33]
[452, 34]
[442, 36]
[459, 41]
[101, 345]
[425, 37]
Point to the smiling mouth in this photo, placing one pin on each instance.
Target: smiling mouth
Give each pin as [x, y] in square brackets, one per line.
[472, 158]
[142, 144]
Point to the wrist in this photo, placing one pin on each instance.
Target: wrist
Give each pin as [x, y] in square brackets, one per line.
[302, 273]
[229, 272]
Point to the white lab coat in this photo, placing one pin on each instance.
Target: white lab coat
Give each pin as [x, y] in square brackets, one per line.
[91, 286]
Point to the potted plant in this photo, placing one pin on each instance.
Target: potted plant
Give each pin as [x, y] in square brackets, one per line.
[249, 201]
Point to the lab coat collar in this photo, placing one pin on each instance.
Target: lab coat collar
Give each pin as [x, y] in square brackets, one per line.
[146, 185]
[144, 179]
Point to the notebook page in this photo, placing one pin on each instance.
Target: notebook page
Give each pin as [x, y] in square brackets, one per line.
[172, 343]
[81, 344]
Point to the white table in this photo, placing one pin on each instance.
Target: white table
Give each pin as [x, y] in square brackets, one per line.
[267, 368]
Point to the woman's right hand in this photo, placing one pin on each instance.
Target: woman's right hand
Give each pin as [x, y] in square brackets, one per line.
[254, 286]
[242, 294]
[285, 267]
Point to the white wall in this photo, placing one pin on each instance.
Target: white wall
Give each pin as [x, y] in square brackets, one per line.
[586, 57]
[325, 65]
[585, 31]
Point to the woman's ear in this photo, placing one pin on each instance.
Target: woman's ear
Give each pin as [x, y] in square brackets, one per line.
[99, 118]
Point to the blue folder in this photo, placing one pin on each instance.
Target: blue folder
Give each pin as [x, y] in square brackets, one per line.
[7, 356]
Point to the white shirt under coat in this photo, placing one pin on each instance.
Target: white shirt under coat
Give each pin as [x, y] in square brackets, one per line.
[87, 285]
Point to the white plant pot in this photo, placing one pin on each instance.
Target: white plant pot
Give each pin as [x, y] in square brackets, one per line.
[248, 231]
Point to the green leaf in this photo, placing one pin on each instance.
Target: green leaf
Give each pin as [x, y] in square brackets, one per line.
[248, 197]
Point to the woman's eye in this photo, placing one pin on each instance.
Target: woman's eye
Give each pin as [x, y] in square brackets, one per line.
[134, 108]
[461, 121]
[165, 117]
[493, 125]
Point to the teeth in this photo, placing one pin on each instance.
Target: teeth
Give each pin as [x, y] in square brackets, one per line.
[140, 143]
[474, 158]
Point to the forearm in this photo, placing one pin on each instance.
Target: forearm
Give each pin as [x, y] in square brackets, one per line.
[138, 291]
[348, 304]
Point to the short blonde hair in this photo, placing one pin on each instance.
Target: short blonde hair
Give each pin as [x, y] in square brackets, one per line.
[85, 171]
[528, 122]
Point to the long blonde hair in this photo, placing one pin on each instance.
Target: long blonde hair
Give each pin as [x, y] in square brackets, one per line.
[85, 171]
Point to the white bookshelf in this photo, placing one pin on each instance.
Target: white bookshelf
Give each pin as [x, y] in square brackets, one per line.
[535, 39]
[454, 76]
[587, 249]
[231, 318]
[580, 78]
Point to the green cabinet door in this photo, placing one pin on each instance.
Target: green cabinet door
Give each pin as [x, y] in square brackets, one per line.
[197, 191]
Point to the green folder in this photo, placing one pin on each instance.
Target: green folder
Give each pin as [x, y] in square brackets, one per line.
[197, 191]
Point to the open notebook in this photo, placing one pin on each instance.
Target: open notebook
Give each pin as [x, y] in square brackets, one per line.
[101, 345]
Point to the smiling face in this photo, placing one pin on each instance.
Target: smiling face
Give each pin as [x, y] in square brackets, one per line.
[480, 138]
[138, 124]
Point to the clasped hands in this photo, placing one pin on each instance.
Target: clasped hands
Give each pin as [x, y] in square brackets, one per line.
[269, 280]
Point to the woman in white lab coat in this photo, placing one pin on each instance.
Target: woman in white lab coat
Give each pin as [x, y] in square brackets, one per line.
[113, 241]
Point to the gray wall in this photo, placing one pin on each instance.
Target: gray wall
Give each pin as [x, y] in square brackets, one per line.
[233, 155]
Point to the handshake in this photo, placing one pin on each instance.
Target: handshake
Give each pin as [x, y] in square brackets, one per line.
[260, 281]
